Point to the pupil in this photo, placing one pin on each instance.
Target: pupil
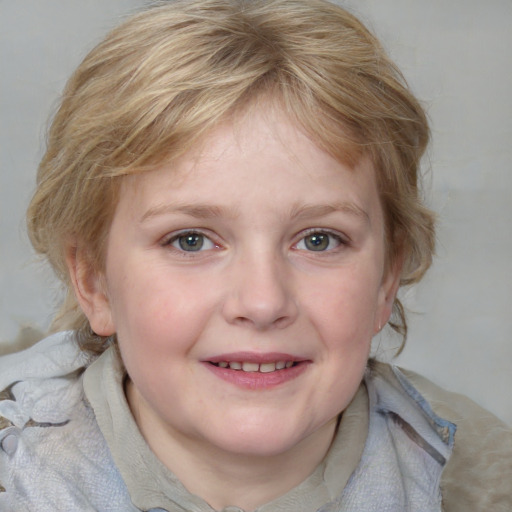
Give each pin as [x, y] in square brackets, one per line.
[191, 242]
[317, 242]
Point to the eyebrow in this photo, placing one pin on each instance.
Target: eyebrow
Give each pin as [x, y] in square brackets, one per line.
[197, 211]
[310, 211]
[297, 212]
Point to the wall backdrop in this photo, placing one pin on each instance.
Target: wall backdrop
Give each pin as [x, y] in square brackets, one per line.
[456, 56]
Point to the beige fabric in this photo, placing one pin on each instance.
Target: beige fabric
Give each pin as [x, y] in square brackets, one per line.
[27, 336]
[151, 485]
[478, 477]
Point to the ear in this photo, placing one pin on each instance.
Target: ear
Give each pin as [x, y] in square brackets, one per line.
[387, 293]
[90, 290]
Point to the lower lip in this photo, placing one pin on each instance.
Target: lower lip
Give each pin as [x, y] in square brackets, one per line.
[258, 380]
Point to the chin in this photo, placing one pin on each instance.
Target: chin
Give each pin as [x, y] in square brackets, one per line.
[262, 446]
[265, 439]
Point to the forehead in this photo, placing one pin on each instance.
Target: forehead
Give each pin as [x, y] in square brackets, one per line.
[260, 155]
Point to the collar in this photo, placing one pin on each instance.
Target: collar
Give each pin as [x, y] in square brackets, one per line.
[152, 486]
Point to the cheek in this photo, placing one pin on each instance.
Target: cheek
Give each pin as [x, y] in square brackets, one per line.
[159, 313]
[346, 304]
[346, 323]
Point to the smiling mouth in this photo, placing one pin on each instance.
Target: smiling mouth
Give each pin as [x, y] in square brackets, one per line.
[251, 367]
[257, 372]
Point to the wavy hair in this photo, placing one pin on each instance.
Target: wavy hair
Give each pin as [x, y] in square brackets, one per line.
[169, 74]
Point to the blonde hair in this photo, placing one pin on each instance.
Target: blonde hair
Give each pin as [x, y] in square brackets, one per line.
[169, 74]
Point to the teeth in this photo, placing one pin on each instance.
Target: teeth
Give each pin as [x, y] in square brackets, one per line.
[250, 367]
[255, 367]
[267, 367]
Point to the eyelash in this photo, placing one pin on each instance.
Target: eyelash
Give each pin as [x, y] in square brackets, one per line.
[340, 240]
[175, 237]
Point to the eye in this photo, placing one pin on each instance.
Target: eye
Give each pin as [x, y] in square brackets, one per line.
[319, 241]
[190, 241]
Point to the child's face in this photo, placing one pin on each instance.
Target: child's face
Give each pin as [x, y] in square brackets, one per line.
[260, 250]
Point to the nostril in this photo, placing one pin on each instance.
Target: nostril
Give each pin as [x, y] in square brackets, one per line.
[241, 320]
[262, 323]
[282, 322]
[260, 299]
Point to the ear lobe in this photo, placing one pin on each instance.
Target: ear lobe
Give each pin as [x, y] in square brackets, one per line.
[90, 291]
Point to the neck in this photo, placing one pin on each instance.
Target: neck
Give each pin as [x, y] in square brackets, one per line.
[245, 481]
[232, 479]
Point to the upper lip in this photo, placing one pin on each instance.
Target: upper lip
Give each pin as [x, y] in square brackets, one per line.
[252, 357]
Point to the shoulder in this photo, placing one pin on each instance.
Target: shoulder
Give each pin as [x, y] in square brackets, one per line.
[478, 477]
[51, 357]
[52, 453]
[42, 383]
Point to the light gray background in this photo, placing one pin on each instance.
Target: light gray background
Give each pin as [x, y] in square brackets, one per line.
[456, 54]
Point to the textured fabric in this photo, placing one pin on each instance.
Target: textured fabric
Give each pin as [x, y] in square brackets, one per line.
[478, 477]
[391, 446]
[405, 453]
[150, 484]
[53, 456]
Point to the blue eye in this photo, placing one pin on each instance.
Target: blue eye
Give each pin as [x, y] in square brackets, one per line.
[191, 242]
[319, 241]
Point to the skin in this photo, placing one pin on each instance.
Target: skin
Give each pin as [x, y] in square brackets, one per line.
[258, 194]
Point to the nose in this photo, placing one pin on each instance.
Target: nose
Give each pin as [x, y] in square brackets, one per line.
[260, 293]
